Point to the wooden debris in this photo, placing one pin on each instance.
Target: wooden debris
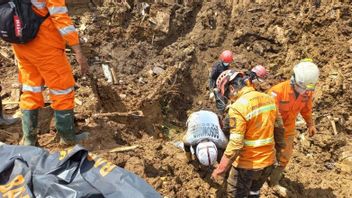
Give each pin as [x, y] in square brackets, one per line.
[78, 101]
[107, 73]
[124, 148]
[119, 114]
[113, 74]
[10, 102]
[126, 4]
[333, 124]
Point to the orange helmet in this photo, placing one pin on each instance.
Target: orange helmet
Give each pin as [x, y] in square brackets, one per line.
[226, 56]
[222, 82]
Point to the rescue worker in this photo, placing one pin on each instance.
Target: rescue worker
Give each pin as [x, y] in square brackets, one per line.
[292, 97]
[251, 149]
[5, 120]
[256, 75]
[205, 136]
[252, 77]
[225, 59]
[43, 61]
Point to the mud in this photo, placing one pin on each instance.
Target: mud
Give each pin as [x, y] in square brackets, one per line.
[182, 39]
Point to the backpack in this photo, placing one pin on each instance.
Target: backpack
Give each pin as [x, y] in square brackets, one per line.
[18, 22]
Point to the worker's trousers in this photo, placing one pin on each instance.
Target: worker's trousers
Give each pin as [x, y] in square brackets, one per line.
[246, 183]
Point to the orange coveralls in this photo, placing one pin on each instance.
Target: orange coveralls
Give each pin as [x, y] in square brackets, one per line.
[43, 61]
[289, 107]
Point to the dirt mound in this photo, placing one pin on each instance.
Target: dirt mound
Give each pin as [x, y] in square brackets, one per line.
[162, 52]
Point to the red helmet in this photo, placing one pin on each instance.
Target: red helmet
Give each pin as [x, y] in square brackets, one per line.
[260, 71]
[225, 77]
[226, 56]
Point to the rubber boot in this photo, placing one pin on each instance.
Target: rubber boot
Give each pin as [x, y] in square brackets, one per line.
[4, 120]
[66, 128]
[274, 181]
[29, 127]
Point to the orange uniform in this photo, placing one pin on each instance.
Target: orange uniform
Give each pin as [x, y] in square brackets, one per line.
[252, 119]
[43, 61]
[289, 107]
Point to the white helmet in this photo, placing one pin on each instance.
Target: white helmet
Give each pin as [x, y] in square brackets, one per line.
[306, 74]
[207, 153]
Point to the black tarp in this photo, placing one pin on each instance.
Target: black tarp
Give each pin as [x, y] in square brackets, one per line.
[27, 171]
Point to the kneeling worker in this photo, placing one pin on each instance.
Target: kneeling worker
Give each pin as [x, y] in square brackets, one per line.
[205, 136]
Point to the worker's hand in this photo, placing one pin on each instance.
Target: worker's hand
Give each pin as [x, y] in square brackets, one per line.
[312, 130]
[81, 59]
[216, 176]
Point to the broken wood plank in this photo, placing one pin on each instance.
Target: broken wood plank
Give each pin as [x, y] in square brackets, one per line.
[10, 102]
[78, 101]
[333, 124]
[124, 148]
[113, 74]
[120, 114]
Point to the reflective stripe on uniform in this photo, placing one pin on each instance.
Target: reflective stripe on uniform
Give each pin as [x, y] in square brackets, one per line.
[260, 110]
[235, 136]
[61, 92]
[35, 89]
[260, 142]
[254, 192]
[67, 30]
[39, 5]
[58, 10]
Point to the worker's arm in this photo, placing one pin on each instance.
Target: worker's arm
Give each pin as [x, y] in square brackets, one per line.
[237, 125]
[187, 149]
[279, 130]
[306, 113]
[279, 135]
[220, 101]
[213, 76]
[63, 23]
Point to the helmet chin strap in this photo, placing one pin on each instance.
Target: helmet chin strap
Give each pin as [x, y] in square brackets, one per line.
[294, 86]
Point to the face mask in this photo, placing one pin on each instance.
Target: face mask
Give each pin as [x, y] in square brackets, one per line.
[226, 64]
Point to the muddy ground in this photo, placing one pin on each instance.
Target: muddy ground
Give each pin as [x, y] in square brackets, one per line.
[162, 51]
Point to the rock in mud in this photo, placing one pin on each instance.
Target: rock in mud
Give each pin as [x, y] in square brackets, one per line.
[158, 70]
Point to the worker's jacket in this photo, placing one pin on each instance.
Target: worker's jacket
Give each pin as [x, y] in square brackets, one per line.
[204, 125]
[289, 106]
[57, 30]
[252, 119]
